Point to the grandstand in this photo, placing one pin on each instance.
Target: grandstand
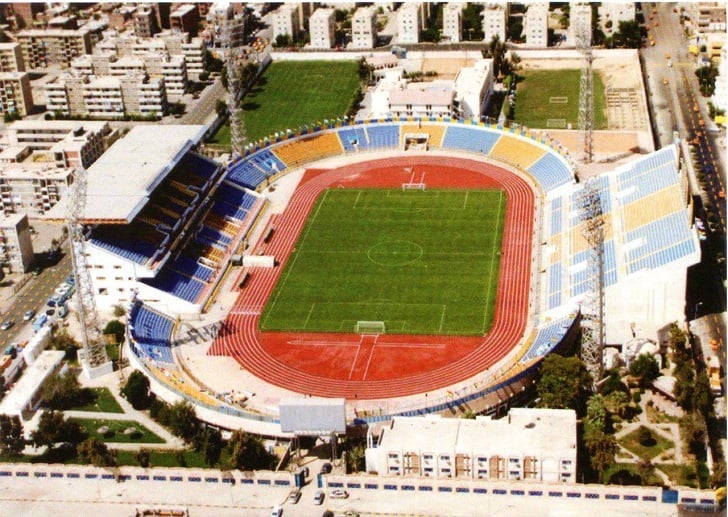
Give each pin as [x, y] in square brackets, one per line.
[649, 241]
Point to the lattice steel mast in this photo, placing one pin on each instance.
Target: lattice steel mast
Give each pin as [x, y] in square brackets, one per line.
[583, 34]
[592, 323]
[237, 129]
[92, 356]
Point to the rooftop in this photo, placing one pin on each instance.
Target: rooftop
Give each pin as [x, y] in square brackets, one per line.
[121, 181]
[18, 397]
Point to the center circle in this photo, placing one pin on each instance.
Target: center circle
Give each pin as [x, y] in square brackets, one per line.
[394, 253]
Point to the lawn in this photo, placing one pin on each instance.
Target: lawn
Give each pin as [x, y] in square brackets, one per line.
[116, 431]
[290, 94]
[554, 94]
[164, 458]
[683, 475]
[103, 401]
[422, 262]
[631, 443]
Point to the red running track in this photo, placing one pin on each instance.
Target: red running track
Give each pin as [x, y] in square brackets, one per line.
[352, 366]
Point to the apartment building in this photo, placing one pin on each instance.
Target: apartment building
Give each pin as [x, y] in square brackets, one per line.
[580, 15]
[528, 444]
[11, 58]
[15, 94]
[720, 97]
[409, 22]
[145, 21]
[423, 100]
[16, 247]
[107, 97]
[286, 22]
[494, 20]
[68, 142]
[535, 24]
[186, 18]
[452, 22]
[473, 86]
[194, 53]
[41, 48]
[24, 14]
[364, 28]
[34, 188]
[321, 28]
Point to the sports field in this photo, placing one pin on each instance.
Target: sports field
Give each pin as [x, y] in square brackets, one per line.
[550, 99]
[290, 94]
[422, 262]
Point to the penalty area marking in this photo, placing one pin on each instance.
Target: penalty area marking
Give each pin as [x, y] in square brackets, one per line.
[559, 99]
[556, 123]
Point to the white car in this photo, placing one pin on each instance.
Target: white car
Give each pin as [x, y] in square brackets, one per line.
[318, 497]
[339, 494]
[277, 511]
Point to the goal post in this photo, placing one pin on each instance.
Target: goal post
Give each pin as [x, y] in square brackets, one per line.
[413, 186]
[369, 327]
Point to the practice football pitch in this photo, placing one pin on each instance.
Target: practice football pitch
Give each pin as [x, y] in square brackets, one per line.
[422, 262]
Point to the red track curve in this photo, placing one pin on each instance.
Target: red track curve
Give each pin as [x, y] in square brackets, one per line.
[345, 365]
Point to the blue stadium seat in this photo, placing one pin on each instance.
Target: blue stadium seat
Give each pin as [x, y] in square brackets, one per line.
[548, 336]
[152, 333]
[551, 172]
[383, 136]
[181, 286]
[190, 267]
[648, 175]
[474, 139]
[660, 242]
[353, 138]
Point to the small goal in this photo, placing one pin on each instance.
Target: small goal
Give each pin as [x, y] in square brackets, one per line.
[369, 327]
[413, 186]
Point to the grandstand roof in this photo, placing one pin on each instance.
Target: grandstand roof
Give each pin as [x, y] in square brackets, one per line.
[121, 181]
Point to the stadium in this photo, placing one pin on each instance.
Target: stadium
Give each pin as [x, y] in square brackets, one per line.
[197, 252]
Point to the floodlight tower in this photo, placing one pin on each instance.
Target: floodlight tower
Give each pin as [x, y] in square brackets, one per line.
[583, 34]
[237, 130]
[92, 356]
[592, 323]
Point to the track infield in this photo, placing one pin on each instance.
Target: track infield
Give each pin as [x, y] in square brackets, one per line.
[421, 262]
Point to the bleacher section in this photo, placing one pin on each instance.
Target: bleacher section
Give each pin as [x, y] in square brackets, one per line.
[299, 152]
[151, 334]
[659, 242]
[434, 133]
[246, 174]
[516, 152]
[181, 286]
[383, 137]
[472, 139]
[551, 172]
[549, 335]
[135, 242]
[647, 176]
[353, 138]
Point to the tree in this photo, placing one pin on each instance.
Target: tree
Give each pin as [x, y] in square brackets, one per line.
[706, 79]
[247, 452]
[61, 340]
[596, 413]
[496, 50]
[94, 451]
[204, 75]
[209, 441]
[136, 390]
[183, 421]
[617, 403]
[282, 40]
[142, 458]
[613, 383]
[117, 329]
[702, 395]
[645, 437]
[472, 22]
[355, 458]
[221, 108]
[12, 441]
[118, 311]
[515, 30]
[563, 383]
[602, 447]
[177, 108]
[645, 367]
[628, 35]
[53, 428]
[62, 391]
[645, 469]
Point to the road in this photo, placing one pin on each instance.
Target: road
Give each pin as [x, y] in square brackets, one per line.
[34, 296]
[200, 110]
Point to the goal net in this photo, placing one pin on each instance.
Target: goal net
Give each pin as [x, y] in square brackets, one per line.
[413, 186]
[369, 327]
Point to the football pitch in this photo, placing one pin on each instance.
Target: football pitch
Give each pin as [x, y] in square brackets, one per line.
[421, 262]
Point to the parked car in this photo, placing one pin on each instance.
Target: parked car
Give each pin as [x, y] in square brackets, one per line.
[326, 468]
[294, 496]
[277, 511]
[29, 315]
[339, 494]
[7, 324]
[318, 497]
[63, 289]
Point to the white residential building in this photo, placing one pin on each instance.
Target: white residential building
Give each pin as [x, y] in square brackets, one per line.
[580, 15]
[473, 86]
[409, 22]
[494, 21]
[286, 22]
[452, 22]
[364, 28]
[321, 27]
[528, 444]
[535, 24]
[615, 12]
[720, 97]
[16, 248]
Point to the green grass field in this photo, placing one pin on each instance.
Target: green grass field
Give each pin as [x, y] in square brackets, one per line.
[116, 431]
[290, 94]
[540, 96]
[424, 262]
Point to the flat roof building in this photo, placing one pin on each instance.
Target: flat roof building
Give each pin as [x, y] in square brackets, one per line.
[452, 22]
[527, 444]
[42, 48]
[580, 15]
[286, 22]
[11, 58]
[16, 97]
[494, 17]
[535, 24]
[364, 28]
[409, 22]
[186, 18]
[321, 28]
[615, 12]
[24, 396]
[16, 247]
[473, 86]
